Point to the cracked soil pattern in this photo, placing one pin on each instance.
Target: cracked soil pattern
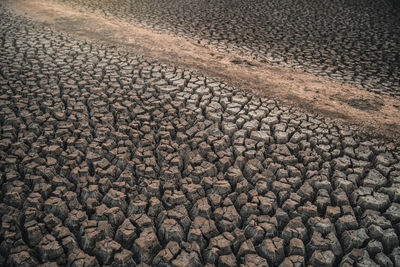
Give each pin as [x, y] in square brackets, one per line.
[112, 159]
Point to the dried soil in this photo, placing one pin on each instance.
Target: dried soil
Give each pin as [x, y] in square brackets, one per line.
[375, 114]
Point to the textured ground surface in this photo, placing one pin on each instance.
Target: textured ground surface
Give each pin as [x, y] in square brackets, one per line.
[374, 112]
[108, 158]
[355, 41]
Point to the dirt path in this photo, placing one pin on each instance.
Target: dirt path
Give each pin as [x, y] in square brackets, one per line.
[375, 114]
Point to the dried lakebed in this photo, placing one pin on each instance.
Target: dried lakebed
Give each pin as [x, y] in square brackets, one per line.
[355, 41]
[109, 158]
[375, 113]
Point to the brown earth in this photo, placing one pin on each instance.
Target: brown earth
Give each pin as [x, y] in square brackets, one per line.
[375, 114]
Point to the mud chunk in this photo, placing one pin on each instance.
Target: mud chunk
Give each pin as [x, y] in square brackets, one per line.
[253, 260]
[56, 206]
[146, 246]
[50, 249]
[78, 258]
[272, 250]
[322, 258]
[296, 247]
[354, 239]
[126, 234]
[171, 230]
[227, 260]
[115, 198]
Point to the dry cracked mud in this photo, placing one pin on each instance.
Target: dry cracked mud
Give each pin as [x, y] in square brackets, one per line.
[356, 41]
[113, 159]
[376, 113]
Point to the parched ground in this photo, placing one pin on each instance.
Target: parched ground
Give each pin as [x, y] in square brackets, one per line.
[109, 158]
[356, 41]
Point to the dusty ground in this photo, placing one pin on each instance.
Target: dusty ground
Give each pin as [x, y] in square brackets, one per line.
[111, 158]
[355, 41]
[375, 114]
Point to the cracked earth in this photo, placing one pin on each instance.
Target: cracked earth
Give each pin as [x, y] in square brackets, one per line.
[110, 158]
